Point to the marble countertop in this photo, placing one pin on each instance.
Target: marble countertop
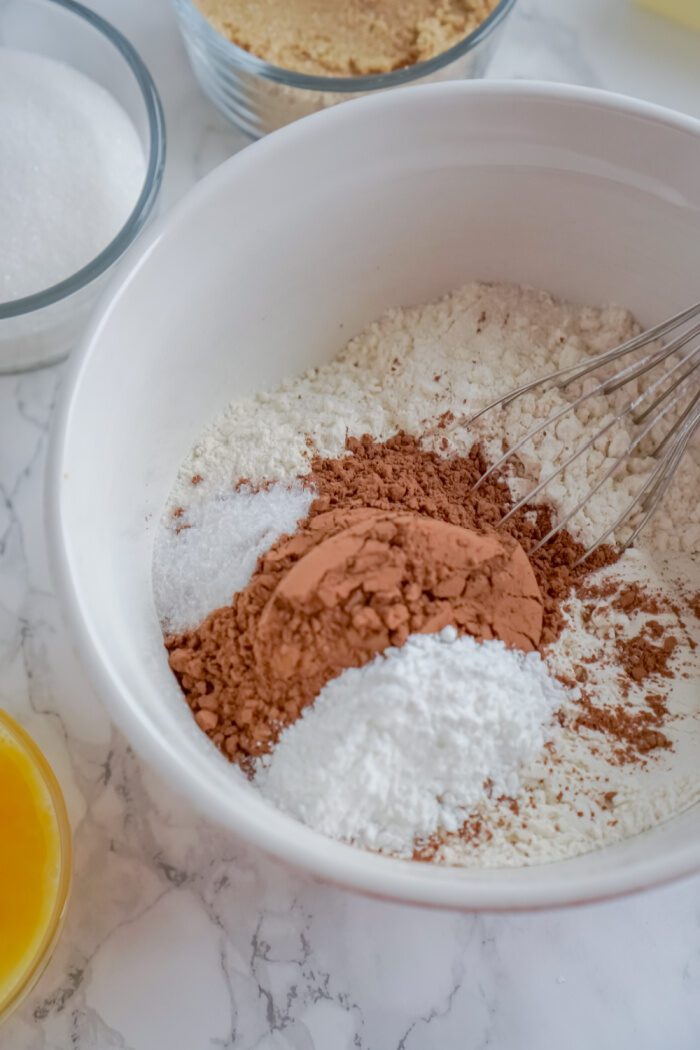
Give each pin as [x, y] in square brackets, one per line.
[179, 937]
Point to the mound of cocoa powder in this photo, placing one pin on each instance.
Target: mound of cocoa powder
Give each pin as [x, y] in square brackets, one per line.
[382, 577]
[236, 694]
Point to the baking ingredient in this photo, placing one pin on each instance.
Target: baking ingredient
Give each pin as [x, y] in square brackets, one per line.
[323, 38]
[390, 753]
[421, 370]
[29, 859]
[608, 771]
[208, 552]
[383, 577]
[71, 170]
[437, 361]
[401, 474]
[238, 667]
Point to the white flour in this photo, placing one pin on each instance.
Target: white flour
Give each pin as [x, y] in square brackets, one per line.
[410, 743]
[480, 341]
[456, 355]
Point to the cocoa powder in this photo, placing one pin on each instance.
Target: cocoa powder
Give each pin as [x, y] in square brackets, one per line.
[400, 475]
[641, 658]
[635, 598]
[226, 667]
[633, 733]
[382, 577]
[624, 597]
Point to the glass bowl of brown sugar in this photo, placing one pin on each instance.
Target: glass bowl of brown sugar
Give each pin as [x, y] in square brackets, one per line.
[260, 94]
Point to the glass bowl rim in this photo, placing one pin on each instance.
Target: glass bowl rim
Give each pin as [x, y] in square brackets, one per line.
[349, 84]
[58, 912]
[154, 175]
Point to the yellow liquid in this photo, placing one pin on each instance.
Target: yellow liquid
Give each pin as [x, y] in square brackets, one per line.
[30, 859]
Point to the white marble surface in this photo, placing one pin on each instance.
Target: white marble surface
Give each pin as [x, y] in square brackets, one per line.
[179, 937]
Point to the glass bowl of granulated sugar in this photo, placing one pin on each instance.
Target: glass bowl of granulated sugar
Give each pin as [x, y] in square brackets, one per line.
[82, 151]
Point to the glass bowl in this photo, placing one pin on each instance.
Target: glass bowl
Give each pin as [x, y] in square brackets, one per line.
[258, 97]
[41, 328]
[54, 924]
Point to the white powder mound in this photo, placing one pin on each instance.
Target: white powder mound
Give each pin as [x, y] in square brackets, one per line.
[71, 170]
[454, 355]
[204, 556]
[409, 744]
[576, 795]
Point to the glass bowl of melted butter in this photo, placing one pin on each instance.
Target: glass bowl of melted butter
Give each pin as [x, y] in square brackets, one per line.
[35, 863]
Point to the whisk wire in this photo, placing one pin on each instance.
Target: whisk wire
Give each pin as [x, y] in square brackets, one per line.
[600, 389]
[658, 492]
[694, 358]
[629, 508]
[578, 452]
[578, 371]
[634, 443]
[677, 381]
[653, 360]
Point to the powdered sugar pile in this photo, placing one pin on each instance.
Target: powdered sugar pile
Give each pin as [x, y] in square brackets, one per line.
[408, 745]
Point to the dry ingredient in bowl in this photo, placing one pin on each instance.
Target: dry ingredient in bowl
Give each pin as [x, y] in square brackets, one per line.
[355, 38]
[210, 554]
[623, 748]
[71, 170]
[249, 669]
[391, 752]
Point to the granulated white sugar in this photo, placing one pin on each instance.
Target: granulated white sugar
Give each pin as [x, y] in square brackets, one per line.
[206, 554]
[410, 743]
[71, 170]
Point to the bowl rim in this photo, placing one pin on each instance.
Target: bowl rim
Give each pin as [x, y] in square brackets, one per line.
[151, 185]
[253, 64]
[281, 837]
[55, 922]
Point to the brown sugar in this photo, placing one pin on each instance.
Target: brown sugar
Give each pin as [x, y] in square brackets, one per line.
[353, 38]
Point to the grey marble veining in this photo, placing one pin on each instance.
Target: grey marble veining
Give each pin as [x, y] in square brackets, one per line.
[179, 937]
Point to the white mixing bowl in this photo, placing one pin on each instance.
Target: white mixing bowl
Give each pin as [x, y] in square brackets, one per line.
[266, 268]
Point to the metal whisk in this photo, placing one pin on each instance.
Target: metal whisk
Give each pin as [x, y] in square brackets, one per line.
[674, 394]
